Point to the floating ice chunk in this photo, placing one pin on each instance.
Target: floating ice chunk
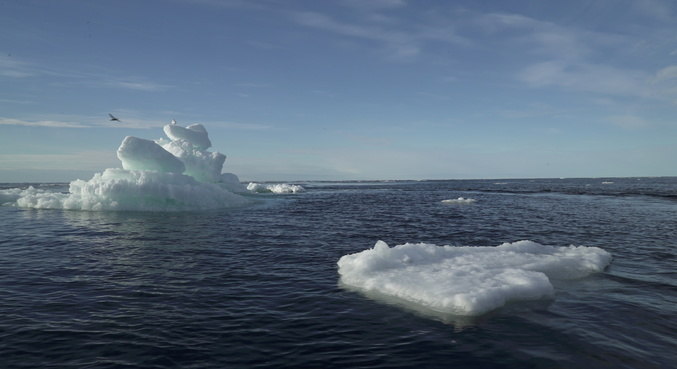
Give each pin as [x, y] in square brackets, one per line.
[202, 165]
[231, 182]
[460, 200]
[139, 154]
[150, 181]
[10, 195]
[467, 280]
[119, 189]
[274, 188]
[196, 134]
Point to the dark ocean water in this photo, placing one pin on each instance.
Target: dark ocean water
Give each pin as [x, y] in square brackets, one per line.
[257, 287]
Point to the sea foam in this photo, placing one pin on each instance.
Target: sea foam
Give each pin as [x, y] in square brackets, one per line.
[466, 280]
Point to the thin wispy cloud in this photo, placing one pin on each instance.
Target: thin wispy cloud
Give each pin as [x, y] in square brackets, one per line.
[16, 101]
[41, 123]
[666, 74]
[252, 85]
[655, 9]
[129, 119]
[401, 41]
[137, 85]
[631, 122]
[13, 67]
[374, 4]
[573, 59]
[587, 77]
[240, 126]
[81, 160]
[126, 121]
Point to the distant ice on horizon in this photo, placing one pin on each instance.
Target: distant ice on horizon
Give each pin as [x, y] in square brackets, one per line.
[466, 281]
[278, 188]
[460, 200]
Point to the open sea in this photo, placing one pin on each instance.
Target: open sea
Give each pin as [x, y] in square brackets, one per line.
[257, 286]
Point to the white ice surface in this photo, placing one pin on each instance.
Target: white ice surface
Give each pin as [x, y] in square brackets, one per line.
[460, 200]
[202, 165]
[279, 188]
[150, 180]
[232, 183]
[467, 280]
[136, 190]
[139, 154]
[196, 134]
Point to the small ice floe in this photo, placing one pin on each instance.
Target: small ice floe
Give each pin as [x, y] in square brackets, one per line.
[278, 188]
[460, 200]
[466, 280]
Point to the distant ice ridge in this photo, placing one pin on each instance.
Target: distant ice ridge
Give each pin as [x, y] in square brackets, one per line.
[162, 175]
[274, 188]
[460, 200]
[467, 281]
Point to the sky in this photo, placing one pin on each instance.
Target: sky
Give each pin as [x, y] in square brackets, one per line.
[344, 89]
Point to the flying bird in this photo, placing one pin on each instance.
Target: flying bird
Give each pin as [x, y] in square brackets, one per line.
[113, 118]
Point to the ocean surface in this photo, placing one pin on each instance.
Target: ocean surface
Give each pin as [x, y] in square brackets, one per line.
[257, 286]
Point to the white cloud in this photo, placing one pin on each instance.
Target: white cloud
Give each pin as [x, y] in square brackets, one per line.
[575, 59]
[400, 41]
[587, 77]
[543, 38]
[85, 160]
[375, 4]
[666, 74]
[41, 123]
[137, 85]
[239, 126]
[14, 68]
[656, 9]
[629, 121]
[18, 68]
[128, 120]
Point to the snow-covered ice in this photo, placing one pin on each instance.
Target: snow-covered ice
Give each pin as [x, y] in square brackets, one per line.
[161, 175]
[140, 190]
[278, 188]
[139, 154]
[467, 280]
[195, 134]
[460, 200]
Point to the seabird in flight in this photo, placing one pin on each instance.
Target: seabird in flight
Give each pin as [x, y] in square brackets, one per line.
[113, 118]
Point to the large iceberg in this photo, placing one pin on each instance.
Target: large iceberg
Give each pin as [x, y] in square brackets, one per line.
[139, 154]
[195, 134]
[162, 175]
[467, 281]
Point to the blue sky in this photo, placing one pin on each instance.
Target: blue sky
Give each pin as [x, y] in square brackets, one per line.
[345, 89]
